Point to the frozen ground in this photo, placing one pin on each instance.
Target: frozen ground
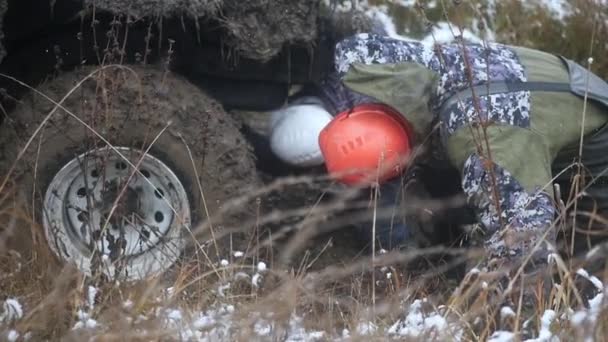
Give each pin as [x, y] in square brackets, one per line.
[226, 321]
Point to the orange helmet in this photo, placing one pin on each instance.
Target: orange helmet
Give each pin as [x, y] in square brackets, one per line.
[368, 144]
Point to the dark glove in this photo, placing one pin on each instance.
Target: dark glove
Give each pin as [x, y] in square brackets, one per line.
[396, 226]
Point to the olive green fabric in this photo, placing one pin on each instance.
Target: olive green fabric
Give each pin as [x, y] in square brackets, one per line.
[520, 151]
[541, 66]
[407, 87]
[557, 116]
[555, 122]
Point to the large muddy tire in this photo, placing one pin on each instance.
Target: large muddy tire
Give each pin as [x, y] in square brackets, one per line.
[95, 209]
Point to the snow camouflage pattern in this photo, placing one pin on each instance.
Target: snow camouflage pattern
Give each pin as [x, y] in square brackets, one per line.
[510, 108]
[527, 215]
[493, 62]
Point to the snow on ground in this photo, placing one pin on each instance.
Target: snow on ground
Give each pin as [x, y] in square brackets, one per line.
[443, 32]
[429, 325]
[384, 23]
[502, 336]
[545, 334]
[11, 310]
[12, 336]
[560, 8]
[224, 321]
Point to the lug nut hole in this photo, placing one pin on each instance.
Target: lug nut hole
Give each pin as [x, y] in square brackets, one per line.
[82, 216]
[81, 192]
[159, 217]
[159, 193]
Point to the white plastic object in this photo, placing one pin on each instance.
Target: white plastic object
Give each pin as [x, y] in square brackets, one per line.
[279, 114]
[295, 129]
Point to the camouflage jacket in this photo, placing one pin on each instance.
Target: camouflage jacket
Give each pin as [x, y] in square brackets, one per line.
[506, 167]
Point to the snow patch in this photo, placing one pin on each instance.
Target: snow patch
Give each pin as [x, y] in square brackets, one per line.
[12, 336]
[502, 336]
[91, 295]
[297, 332]
[366, 328]
[175, 315]
[85, 321]
[407, 3]
[593, 279]
[506, 312]
[418, 324]
[255, 280]
[262, 328]
[588, 317]
[211, 325]
[387, 27]
[222, 288]
[127, 304]
[560, 8]
[545, 333]
[443, 32]
[12, 310]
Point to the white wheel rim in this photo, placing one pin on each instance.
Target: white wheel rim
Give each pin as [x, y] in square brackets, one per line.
[144, 235]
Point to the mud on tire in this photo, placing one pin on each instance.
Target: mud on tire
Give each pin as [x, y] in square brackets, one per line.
[130, 107]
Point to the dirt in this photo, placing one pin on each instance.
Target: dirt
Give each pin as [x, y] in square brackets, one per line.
[3, 8]
[130, 112]
[256, 29]
[141, 8]
[303, 190]
[259, 29]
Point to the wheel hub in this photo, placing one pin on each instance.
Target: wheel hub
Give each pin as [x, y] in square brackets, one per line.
[96, 205]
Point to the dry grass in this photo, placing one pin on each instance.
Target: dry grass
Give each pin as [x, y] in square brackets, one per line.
[292, 281]
[234, 297]
[527, 23]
